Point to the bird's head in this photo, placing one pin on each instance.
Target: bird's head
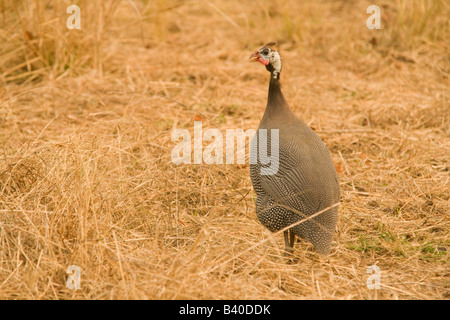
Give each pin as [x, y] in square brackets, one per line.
[268, 56]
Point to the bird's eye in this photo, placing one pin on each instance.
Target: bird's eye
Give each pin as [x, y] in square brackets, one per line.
[265, 52]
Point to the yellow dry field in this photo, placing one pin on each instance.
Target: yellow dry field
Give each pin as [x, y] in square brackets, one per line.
[87, 178]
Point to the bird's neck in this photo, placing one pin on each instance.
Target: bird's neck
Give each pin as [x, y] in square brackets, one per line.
[276, 104]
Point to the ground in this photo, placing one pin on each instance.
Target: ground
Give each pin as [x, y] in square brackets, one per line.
[86, 176]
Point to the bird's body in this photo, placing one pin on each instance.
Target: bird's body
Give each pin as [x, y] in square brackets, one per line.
[305, 182]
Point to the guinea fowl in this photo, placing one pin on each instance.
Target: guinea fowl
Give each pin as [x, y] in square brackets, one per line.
[305, 182]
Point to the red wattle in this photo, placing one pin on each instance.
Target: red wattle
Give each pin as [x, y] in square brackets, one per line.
[264, 62]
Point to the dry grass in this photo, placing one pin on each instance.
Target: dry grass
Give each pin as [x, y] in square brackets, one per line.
[86, 176]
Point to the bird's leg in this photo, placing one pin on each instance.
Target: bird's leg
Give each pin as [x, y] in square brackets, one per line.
[289, 237]
[292, 239]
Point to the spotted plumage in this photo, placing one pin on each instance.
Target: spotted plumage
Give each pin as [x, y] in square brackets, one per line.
[306, 181]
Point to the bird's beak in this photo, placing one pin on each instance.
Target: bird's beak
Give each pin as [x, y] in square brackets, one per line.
[254, 57]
